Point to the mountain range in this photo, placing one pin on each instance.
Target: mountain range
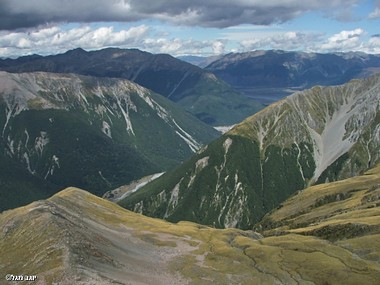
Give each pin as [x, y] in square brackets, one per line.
[199, 92]
[268, 76]
[325, 234]
[315, 136]
[60, 130]
[289, 195]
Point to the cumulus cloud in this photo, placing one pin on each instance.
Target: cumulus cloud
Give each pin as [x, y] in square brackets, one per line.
[51, 40]
[373, 45]
[55, 39]
[286, 41]
[344, 41]
[208, 13]
[218, 47]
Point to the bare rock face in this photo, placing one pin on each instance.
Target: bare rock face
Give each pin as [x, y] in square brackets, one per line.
[315, 136]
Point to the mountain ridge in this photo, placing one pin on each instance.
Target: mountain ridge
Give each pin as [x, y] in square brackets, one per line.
[314, 136]
[76, 237]
[196, 90]
[96, 133]
[269, 75]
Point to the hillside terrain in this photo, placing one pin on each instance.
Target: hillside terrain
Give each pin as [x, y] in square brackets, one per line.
[268, 76]
[321, 235]
[319, 135]
[199, 92]
[333, 211]
[60, 130]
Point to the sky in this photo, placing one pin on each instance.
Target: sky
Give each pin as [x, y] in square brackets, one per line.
[181, 27]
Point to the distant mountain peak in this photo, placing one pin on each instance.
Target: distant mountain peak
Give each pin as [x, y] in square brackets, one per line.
[76, 51]
[269, 75]
[212, 101]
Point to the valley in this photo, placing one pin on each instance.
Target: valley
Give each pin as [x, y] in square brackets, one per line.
[267, 95]
[199, 92]
[272, 199]
[189, 142]
[319, 135]
[268, 76]
[60, 130]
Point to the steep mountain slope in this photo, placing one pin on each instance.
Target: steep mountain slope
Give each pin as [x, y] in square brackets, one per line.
[268, 75]
[77, 238]
[319, 135]
[96, 133]
[199, 92]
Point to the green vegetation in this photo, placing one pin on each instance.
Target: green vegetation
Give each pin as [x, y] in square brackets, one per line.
[269, 156]
[333, 171]
[344, 208]
[216, 103]
[62, 139]
[200, 93]
[323, 234]
[233, 188]
[19, 187]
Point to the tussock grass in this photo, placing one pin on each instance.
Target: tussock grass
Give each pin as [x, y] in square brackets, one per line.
[322, 235]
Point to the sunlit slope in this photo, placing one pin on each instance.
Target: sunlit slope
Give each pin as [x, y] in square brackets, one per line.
[339, 210]
[315, 136]
[77, 237]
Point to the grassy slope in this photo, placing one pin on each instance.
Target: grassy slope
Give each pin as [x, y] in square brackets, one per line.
[352, 201]
[294, 250]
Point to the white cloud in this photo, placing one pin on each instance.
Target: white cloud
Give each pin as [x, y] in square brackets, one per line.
[346, 35]
[56, 39]
[52, 40]
[178, 46]
[218, 47]
[290, 40]
[373, 45]
[344, 41]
